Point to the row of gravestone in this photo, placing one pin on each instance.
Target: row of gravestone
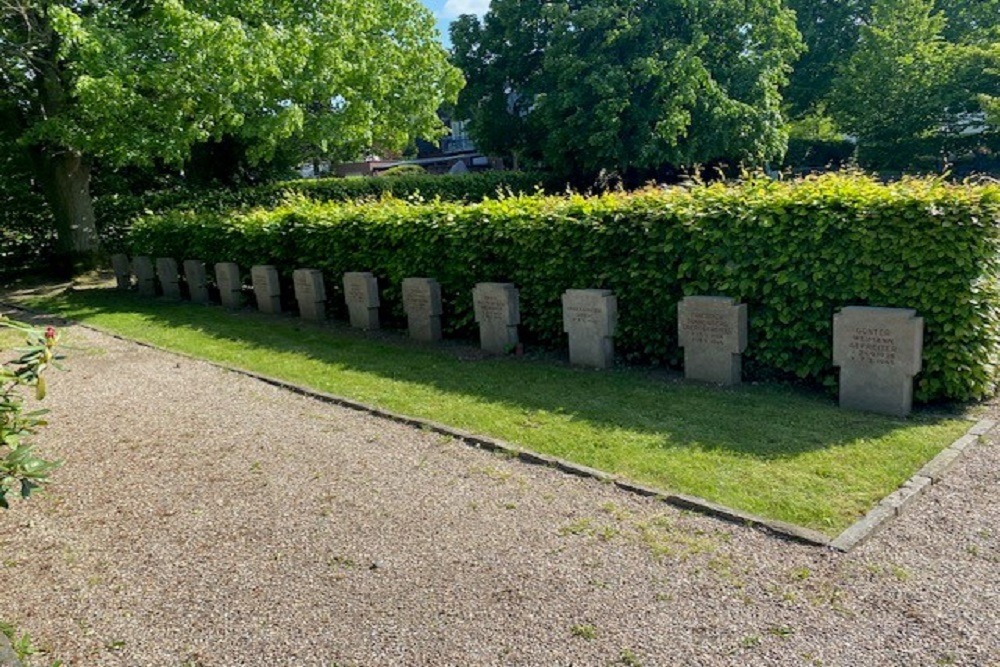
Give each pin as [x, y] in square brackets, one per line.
[878, 350]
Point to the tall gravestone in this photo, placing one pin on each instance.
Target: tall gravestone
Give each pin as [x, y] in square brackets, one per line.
[879, 350]
[590, 317]
[361, 294]
[422, 303]
[310, 293]
[498, 312]
[166, 271]
[230, 283]
[195, 276]
[266, 289]
[145, 275]
[713, 332]
[123, 270]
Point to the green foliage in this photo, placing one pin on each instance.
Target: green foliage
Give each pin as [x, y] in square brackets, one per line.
[830, 31]
[795, 252]
[20, 469]
[818, 153]
[627, 86]
[907, 91]
[26, 230]
[404, 170]
[142, 83]
[116, 212]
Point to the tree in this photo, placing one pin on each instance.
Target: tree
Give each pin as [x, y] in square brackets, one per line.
[830, 30]
[627, 85]
[906, 89]
[138, 81]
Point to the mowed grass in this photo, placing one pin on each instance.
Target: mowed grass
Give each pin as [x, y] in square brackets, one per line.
[770, 450]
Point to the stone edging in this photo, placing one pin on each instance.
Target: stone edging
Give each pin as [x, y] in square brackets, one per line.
[893, 505]
[7, 656]
[876, 519]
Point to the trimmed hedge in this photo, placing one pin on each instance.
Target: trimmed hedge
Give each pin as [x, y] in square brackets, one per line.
[116, 212]
[795, 252]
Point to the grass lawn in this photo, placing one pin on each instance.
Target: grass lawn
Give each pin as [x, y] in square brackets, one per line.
[765, 449]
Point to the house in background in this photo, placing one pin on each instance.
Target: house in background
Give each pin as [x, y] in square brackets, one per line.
[456, 154]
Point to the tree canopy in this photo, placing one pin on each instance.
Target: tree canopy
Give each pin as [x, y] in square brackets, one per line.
[141, 81]
[917, 79]
[627, 85]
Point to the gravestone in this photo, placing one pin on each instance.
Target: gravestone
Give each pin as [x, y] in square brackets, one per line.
[194, 274]
[713, 332]
[590, 317]
[145, 275]
[166, 271]
[498, 313]
[422, 303]
[310, 293]
[879, 350]
[123, 270]
[227, 277]
[266, 288]
[361, 294]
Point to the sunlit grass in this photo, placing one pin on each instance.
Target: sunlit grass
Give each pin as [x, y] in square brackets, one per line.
[765, 449]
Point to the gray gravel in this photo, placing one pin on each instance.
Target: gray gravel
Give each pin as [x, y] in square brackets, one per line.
[204, 518]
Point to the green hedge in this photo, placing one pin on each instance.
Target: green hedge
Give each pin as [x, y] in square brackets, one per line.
[795, 252]
[116, 212]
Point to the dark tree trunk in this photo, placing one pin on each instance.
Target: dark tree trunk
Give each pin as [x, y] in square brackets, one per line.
[65, 175]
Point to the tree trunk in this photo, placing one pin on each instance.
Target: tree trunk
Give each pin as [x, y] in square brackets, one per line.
[65, 175]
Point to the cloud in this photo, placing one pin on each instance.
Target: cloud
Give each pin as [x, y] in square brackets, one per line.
[454, 8]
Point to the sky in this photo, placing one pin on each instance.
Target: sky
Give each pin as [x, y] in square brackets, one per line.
[447, 11]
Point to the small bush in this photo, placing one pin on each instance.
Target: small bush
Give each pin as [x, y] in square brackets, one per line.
[403, 170]
[20, 470]
[795, 252]
[115, 213]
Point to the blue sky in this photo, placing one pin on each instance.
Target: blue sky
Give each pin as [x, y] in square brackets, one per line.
[447, 11]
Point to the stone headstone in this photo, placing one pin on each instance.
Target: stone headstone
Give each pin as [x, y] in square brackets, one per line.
[498, 312]
[422, 303]
[194, 274]
[123, 270]
[310, 293]
[227, 277]
[166, 271]
[590, 317]
[361, 294]
[879, 350]
[145, 275]
[266, 289]
[713, 332]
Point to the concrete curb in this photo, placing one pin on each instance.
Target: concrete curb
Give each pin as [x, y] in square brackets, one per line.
[896, 502]
[7, 656]
[888, 508]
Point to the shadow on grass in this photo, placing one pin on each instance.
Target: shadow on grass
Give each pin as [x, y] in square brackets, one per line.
[760, 422]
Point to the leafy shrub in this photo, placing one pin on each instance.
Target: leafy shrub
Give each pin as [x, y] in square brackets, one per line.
[795, 252]
[116, 212]
[27, 229]
[403, 170]
[818, 153]
[20, 469]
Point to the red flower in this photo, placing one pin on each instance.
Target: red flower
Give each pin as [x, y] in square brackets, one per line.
[50, 333]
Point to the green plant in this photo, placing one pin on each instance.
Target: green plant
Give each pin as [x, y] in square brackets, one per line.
[116, 212]
[629, 658]
[20, 469]
[403, 170]
[585, 631]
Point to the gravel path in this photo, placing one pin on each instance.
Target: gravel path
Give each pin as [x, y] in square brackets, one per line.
[203, 518]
